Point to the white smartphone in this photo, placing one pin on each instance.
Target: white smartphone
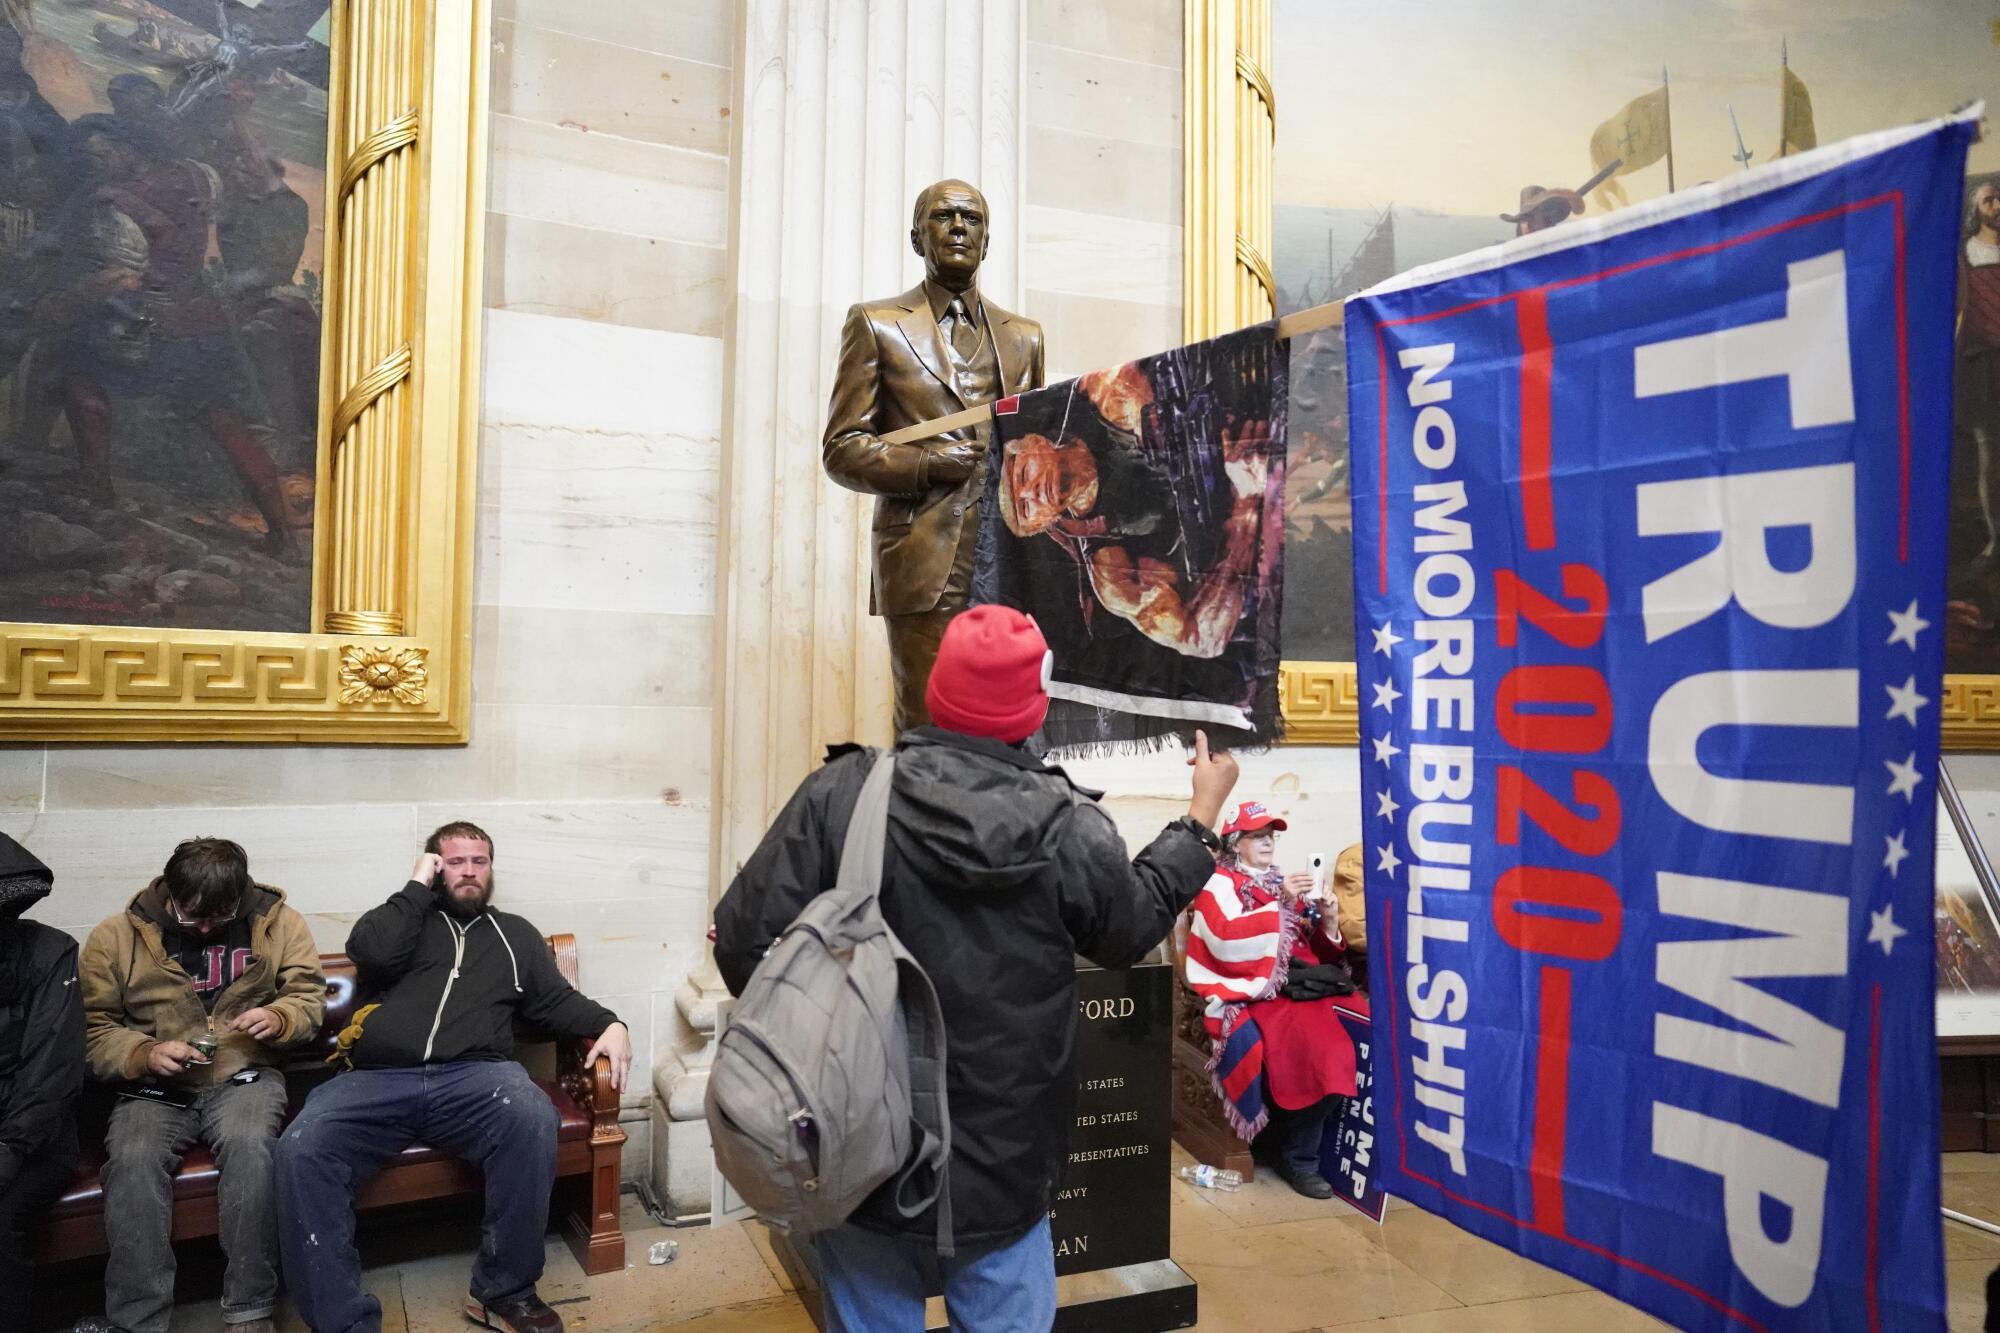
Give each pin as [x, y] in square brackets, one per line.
[1319, 878]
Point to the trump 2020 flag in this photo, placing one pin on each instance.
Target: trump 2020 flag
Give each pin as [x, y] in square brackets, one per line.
[1649, 525]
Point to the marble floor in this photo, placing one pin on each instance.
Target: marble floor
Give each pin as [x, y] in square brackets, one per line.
[1268, 1261]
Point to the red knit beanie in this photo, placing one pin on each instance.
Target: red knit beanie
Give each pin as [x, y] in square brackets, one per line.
[990, 678]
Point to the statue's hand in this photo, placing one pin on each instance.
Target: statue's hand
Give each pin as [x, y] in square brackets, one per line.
[957, 462]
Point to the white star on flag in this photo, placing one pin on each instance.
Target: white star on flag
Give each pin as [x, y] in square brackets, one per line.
[1386, 638]
[1883, 930]
[1385, 804]
[1386, 749]
[1903, 777]
[1389, 861]
[1904, 701]
[1896, 855]
[1904, 626]
[1386, 694]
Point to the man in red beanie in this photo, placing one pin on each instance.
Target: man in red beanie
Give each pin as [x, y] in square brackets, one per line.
[998, 871]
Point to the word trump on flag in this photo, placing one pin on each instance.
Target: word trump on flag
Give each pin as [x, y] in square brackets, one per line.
[1650, 573]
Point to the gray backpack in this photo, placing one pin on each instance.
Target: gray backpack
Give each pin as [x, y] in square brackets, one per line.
[829, 1078]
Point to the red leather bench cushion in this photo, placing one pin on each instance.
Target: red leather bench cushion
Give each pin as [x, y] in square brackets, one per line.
[198, 1174]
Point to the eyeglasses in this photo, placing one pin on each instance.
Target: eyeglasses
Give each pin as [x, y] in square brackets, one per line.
[204, 924]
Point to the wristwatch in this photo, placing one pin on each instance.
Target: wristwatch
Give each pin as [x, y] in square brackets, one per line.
[1200, 830]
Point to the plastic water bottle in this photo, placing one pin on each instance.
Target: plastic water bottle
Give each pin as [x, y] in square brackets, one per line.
[1203, 1176]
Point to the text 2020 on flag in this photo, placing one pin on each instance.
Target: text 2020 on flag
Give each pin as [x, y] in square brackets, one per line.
[1650, 568]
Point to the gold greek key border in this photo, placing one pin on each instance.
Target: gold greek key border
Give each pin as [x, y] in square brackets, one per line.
[1322, 706]
[1970, 712]
[71, 669]
[1322, 703]
[393, 538]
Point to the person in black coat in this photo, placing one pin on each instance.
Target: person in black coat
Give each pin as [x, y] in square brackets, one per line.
[997, 872]
[431, 1060]
[41, 1064]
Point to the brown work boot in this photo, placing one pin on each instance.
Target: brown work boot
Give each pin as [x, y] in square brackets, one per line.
[526, 1313]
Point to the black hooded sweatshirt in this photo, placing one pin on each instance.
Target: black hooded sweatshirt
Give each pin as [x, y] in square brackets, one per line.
[41, 1021]
[997, 873]
[450, 988]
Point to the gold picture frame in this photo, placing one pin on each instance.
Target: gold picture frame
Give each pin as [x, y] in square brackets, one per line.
[389, 658]
[1229, 130]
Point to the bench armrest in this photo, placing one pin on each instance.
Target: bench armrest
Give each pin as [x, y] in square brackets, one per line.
[591, 1088]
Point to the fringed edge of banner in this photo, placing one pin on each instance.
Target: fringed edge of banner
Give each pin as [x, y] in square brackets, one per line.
[1113, 747]
[1246, 1130]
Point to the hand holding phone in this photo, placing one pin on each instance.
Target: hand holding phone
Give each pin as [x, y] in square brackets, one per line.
[1297, 887]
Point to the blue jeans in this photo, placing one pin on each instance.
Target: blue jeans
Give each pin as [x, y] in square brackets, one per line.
[876, 1284]
[1291, 1139]
[143, 1149]
[488, 1112]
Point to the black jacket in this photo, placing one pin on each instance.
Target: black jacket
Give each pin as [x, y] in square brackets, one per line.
[407, 951]
[995, 876]
[41, 1021]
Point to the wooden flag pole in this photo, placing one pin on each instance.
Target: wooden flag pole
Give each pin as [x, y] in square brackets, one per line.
[1294, 325]
[1784, 95]
[1667, 107]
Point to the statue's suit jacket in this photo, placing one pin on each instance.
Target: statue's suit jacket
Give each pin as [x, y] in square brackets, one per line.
[894, 372]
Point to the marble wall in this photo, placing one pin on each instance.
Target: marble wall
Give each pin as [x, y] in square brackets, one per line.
[607, 290]
[1102, 207]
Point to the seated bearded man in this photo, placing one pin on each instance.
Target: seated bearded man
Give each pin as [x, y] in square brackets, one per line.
[432, 1061]
[1094, 493]
[1266, 954]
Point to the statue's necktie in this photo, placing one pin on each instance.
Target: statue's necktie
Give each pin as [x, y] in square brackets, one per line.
[963, 335]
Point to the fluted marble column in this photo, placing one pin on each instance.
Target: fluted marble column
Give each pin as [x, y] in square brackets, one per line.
[847, 108]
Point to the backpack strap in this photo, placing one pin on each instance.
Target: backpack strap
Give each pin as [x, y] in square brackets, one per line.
[867, 832]
[926, 1179]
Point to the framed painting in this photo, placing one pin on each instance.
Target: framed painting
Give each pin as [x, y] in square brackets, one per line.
[1966, 926]
[240, 245]
[1357, 141]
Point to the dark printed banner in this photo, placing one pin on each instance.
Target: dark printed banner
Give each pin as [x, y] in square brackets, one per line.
[1650, 572]
[1347, 1153]
[1138, 515]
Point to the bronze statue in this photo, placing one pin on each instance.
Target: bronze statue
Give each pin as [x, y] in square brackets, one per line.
[930, 352]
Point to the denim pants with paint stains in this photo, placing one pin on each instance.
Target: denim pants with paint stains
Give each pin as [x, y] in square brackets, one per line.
[488, 1112]
[143, 1150]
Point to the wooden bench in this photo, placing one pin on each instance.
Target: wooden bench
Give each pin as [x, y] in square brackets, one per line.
[588, 1146]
